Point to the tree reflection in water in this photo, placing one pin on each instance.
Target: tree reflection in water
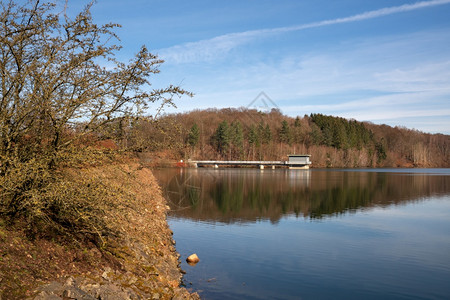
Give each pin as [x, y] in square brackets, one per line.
[247, 195]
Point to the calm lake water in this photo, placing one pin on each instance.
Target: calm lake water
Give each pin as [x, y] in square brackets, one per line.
[312, 234]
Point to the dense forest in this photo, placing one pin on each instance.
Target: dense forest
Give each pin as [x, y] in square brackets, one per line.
[248, 134]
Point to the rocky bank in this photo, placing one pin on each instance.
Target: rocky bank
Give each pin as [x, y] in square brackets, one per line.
[139, 263]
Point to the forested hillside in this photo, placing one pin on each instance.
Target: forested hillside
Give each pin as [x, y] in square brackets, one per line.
[248, 134]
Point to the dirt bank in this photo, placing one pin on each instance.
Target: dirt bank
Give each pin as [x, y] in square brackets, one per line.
[139, 262]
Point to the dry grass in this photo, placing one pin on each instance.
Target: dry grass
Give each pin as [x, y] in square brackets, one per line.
[121, 228]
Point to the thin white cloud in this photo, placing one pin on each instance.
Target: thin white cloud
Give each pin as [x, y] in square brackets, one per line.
[364, 67]
[408, 109]
[395, 115]
[392, 104]
[209, 49]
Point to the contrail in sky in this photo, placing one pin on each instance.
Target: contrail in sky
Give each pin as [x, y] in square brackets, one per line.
[208, 49]
[368, 15]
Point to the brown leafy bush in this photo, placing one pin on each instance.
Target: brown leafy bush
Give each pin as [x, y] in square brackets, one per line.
[59, 204]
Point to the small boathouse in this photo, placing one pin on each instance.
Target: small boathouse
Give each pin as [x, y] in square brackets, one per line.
[299, 161]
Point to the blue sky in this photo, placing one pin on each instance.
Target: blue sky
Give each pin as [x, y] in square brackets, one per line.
[382, 61]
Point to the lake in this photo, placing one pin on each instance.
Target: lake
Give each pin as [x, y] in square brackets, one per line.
[312, 234]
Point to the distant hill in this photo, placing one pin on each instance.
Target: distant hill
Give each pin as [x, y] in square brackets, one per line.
[248, 134]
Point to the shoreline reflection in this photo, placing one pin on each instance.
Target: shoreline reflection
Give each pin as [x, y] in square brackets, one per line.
[249, 195]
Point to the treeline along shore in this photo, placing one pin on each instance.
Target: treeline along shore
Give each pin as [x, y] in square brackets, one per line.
[249, 134]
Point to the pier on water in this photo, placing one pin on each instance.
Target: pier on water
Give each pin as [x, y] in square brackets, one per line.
[295, 161]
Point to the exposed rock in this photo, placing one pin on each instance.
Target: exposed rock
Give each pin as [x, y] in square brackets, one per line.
[192, 259]
[58, 291]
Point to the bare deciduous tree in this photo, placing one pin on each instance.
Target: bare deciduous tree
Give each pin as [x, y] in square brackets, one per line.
[57, 72]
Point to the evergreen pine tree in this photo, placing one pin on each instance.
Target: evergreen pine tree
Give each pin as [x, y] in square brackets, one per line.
[193, 136]
[221, 138]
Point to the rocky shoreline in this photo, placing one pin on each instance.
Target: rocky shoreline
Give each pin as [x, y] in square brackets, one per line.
[148, 265]
[140, 263]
